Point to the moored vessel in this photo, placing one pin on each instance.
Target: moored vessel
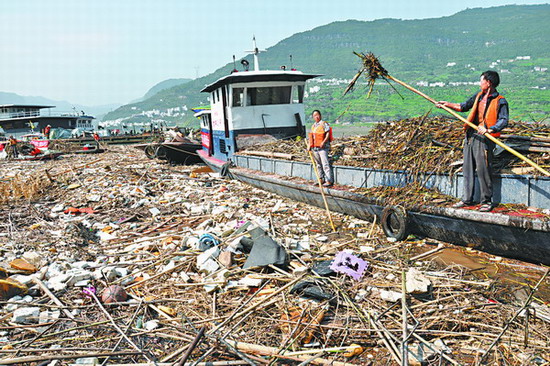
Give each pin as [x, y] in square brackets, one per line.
[239, 117]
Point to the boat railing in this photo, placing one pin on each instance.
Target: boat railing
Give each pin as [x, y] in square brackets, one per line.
[20, 114]
[529, 190]
[56, 113]
[37, 113]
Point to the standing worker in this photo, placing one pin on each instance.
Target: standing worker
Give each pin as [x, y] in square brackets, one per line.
[319, 141]
[11, 151]
[96, 138]
[489, 110]
[47, 130]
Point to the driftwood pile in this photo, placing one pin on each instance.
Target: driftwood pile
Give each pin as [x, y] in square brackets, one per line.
[139, 224]
[425, 144]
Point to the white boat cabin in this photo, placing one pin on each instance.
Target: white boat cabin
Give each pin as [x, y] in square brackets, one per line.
[253, 106]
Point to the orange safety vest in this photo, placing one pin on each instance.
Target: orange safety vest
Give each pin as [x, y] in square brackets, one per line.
[317, 135]
[491, 114]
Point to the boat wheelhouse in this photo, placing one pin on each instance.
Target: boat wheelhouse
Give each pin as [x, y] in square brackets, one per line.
[18, 119]
[252, 106]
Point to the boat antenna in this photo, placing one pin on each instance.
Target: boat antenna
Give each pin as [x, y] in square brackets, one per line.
[255, 51]
[234, 65]
[291, 67]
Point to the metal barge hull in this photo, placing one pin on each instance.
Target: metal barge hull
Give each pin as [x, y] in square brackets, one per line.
[509, 236]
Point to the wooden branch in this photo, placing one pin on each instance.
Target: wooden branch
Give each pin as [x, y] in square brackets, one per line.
[50, 294]
[525, 306]
[253, 307]
[28, 359]
[272, 351]
[210, 363]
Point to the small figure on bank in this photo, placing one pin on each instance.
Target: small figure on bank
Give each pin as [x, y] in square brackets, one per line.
[489, 111]
[319, 142]
[96, 138]
[47, 130]
[11, 149]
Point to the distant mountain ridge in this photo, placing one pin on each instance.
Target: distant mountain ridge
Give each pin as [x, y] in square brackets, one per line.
[166, 84]
[97, 111]
[443, 56]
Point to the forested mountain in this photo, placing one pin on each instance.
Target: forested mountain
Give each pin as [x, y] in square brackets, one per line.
[166, 84]
[443, 57]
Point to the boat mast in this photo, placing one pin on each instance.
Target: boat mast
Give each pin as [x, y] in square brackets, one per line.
[255, 51]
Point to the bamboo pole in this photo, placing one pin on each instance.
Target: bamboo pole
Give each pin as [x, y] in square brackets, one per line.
[494, 139]
[404, 348]
[321, 188]
[273, 352]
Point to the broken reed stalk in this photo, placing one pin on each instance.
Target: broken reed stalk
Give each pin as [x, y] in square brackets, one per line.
[273, 352]
[126, 330]
[254, 306]
[375, 71]
[47, 291]
[404, 348]
[29, 359]
[525, 306]
[191, 347]
[209, 363]
[122, 333]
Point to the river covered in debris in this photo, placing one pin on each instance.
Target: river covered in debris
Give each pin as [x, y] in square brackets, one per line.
[121, 260]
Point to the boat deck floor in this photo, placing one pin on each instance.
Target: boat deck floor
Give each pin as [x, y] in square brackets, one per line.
[513, 210]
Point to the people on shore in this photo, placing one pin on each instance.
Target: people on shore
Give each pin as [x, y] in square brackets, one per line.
[489, 111]
[319, 142]
[96, 139]
[11, 148]
[47, 130]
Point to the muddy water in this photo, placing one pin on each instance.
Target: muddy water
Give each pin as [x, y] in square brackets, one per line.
[507, 276]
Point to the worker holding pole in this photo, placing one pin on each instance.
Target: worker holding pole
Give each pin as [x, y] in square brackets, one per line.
[489, 111]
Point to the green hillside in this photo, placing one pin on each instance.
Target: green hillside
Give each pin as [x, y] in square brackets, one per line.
[451, 51]
[166, 84]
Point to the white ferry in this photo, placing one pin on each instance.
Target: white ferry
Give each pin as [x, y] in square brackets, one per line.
[18, 119]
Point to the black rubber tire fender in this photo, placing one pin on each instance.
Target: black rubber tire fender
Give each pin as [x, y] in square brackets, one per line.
[161, 152]
[150, 151]
[395, 222]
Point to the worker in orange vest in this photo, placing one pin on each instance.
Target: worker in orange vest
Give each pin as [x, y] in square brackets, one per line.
[319, 142]
[11, 150]
[96, 138]
[489, 111]
[47, 130]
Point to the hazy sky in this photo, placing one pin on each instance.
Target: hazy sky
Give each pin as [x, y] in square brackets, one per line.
[95, 52]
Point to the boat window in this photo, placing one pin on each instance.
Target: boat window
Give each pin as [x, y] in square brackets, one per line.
[238, 97]
[270, 95]
[298, 95]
